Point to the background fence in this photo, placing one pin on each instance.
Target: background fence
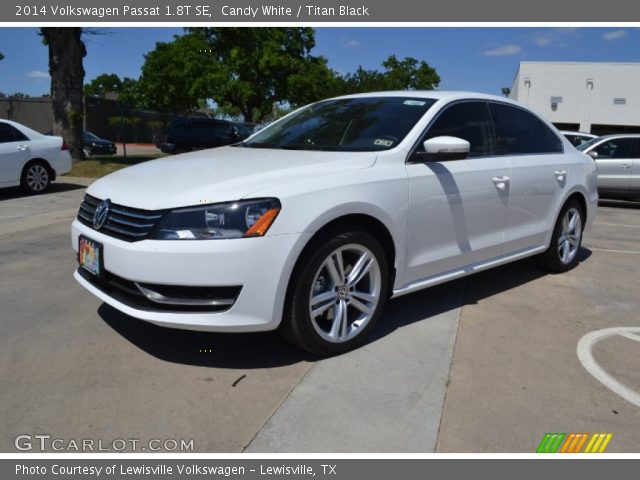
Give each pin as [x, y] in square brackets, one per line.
[143, 126]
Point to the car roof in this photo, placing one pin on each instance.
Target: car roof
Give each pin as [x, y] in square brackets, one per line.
[571, 132]
[619, 135]
[434, 94]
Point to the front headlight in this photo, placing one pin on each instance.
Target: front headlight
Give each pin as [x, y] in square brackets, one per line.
[246, 218]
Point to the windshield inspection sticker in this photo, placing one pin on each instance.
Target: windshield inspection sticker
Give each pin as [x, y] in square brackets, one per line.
[414, 103]
[382, 142]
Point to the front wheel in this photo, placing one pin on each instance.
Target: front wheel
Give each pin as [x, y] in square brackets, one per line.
[337, 293]
[87, 152]
[562, 254]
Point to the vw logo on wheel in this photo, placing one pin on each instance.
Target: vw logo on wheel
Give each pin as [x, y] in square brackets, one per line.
[101, 214]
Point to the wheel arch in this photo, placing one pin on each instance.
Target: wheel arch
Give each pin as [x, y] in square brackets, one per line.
[366, 222]
[578, 195]
[39, 160]
[44, 161]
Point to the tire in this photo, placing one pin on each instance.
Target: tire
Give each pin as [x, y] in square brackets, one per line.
[36, 177]
[562, 254]
[358, 294]
[87, 152]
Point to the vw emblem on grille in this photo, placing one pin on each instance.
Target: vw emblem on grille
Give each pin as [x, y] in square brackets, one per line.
[101, 214]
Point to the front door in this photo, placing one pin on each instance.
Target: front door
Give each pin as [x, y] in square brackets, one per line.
[457, 208]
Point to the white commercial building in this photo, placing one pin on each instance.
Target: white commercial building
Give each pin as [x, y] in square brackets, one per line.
[598, 98]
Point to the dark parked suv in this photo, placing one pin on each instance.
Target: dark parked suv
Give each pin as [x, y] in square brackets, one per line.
[185, 134]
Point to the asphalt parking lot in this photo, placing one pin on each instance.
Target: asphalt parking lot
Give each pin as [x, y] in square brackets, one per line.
[486, 364]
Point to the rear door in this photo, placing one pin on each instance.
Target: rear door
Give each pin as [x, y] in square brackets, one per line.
[634, 181]
[14, 153]
[614, 162]
[538, 174]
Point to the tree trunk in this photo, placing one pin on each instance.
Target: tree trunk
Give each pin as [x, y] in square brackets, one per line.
[66, 51]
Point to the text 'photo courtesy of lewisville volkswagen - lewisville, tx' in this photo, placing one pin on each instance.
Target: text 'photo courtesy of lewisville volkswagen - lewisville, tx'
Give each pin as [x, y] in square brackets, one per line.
[249, 243]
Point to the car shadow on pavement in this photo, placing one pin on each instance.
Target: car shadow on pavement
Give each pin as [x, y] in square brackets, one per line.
[268, 349]
[227, 350]
[56, 187]
[425, 304]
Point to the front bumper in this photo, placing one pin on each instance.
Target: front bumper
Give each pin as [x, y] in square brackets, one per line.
[260, 266]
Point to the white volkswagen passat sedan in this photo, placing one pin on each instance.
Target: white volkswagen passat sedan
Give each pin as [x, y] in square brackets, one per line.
[309, 225]
[30, 159]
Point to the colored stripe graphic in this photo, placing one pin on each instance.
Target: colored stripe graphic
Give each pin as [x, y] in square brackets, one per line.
[550, 442]
[598, 443]
[573, 442]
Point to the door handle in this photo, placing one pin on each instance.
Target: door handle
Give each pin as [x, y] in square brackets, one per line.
[501, 182]
[625, 165]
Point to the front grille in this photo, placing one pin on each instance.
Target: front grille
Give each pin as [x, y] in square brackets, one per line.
[124, 223]
[127, 292]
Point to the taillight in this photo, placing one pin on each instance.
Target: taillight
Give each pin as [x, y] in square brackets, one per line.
[64, 146]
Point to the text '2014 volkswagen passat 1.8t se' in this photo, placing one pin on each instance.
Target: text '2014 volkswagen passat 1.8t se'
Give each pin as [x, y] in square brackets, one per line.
[309, 225]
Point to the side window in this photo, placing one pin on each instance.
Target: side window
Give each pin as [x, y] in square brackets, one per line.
[6, 133]
[18, 135]
[519, 132]
[617, 148]
[471, 122]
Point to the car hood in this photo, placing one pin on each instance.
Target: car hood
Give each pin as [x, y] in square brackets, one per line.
[218, 175]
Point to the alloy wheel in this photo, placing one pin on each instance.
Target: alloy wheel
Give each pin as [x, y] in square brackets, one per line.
[570, 233]
[37, 178]
[345, 293]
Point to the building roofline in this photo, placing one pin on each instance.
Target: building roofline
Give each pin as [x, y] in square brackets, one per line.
[576, 63]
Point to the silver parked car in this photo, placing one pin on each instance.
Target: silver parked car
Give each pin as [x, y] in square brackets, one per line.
[618, 160]
[578, 138]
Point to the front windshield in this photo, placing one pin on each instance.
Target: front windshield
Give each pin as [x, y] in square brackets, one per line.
[90, 136]
[345, 125]
[583, 146]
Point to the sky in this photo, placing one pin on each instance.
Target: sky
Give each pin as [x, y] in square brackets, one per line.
[481, 59]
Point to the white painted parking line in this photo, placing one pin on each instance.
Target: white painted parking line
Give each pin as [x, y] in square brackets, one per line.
[630, 336]
[617, 224]
[633, 252]
[585, 355]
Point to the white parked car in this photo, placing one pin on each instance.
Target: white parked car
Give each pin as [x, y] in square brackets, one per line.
[309, 225]
[30, 159]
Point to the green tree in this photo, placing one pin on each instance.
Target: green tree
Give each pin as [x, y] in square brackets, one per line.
[103, 84]
[130, 93]
[253, 68]
[66, 54]
[176, 75]
[127, 89]
[122, 123]
[406, 74]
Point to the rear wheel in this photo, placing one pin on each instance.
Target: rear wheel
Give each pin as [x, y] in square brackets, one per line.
[337, 293]
[36, 177]
[562, 254]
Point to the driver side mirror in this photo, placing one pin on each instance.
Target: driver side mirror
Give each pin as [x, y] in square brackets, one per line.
[593, 154]
[442, 149]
